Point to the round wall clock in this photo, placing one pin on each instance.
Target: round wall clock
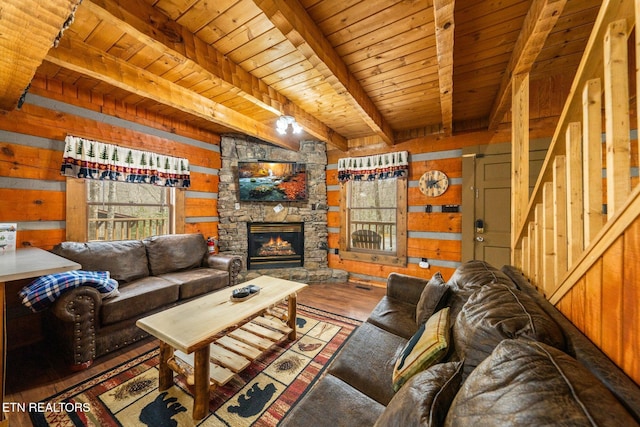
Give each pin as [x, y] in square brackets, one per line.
[433, 183]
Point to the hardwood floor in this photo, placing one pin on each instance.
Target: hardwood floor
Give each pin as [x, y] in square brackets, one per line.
[33, 374]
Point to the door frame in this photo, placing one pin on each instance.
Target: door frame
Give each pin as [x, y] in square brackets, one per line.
[469, 155]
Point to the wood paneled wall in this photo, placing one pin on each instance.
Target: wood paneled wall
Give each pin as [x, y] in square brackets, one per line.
[32, 191]
[603, 302]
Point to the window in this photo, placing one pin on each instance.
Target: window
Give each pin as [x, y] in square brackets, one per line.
[371, 211]
[374, 220]
[120, 210]
[90, 210]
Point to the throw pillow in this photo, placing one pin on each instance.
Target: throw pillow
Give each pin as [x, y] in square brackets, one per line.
[425, 399]
[528, 383]
[432, 299]
[426, 348]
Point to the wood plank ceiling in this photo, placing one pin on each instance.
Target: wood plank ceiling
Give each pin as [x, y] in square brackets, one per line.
[349, 71]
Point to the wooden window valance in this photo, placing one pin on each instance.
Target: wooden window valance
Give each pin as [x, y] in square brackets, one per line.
[84, 158]
[378, 166]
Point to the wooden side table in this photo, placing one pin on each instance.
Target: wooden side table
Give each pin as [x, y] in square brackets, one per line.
[24, 263]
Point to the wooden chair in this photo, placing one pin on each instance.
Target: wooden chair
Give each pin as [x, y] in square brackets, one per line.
[366, 239]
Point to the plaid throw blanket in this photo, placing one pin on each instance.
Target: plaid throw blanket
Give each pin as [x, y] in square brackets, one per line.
[43, 291]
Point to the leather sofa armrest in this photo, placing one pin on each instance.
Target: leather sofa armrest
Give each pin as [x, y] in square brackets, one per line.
[73, 320]
[405, 288]
[229, 263]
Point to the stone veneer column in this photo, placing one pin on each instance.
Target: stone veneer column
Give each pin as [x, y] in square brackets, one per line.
[233, 222]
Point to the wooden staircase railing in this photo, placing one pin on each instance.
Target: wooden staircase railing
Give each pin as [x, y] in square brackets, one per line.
[578, 239]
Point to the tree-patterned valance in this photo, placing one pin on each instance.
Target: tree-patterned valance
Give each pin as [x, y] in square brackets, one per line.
[84, 158]
[379, 166]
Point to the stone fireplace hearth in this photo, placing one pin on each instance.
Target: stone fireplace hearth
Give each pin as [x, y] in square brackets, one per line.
[236, 216]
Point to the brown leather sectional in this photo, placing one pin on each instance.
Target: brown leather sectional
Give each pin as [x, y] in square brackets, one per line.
[513, 359]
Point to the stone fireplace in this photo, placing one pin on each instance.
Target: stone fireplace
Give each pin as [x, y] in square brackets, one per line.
[236, 217]
[275, 245]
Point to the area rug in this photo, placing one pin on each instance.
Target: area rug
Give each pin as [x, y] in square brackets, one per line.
[261, 395]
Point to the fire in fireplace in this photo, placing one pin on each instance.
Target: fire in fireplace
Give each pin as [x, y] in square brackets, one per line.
[275, 245]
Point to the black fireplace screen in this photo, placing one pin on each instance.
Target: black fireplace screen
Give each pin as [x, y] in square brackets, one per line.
[275, 245]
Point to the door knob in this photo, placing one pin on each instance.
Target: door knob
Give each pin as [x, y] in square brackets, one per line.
[479, 239]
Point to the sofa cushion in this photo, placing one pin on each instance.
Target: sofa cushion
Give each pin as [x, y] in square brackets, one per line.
[473, 274]
[197, 281]
[125, 260]
[395, 316]
[432, 299]
[426, 348]
[468, 278]
[425, 399]
[175, 252]
[496, 312]
[138, 298]
[406, 288]
[366, 361]
[332, 402]
[529, 383]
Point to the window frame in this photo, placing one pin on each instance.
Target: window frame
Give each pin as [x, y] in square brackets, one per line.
[76, 229]
[347, 253]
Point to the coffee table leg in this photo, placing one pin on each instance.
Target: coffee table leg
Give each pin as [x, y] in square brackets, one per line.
[202, 384]
[291, 322]
[166, 374]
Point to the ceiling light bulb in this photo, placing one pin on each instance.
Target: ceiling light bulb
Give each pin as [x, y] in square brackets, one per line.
[296, 128]
[283, 122]
[281, 128]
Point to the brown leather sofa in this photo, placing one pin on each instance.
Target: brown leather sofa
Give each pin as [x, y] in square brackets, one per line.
[513, 359]
[153, 274]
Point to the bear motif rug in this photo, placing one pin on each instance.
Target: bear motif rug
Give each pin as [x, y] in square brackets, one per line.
[261, 395]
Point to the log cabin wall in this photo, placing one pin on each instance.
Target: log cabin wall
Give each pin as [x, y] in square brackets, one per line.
[32, 139]
[436, 236]
[578, 242]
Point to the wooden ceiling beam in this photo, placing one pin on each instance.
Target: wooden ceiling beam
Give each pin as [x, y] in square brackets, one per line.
[77, 56]
[28, 29]
[444, 22]
[293, 21]
[540, 20]
[154, 29]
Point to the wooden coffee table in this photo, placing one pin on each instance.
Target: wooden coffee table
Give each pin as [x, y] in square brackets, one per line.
[191, 342]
